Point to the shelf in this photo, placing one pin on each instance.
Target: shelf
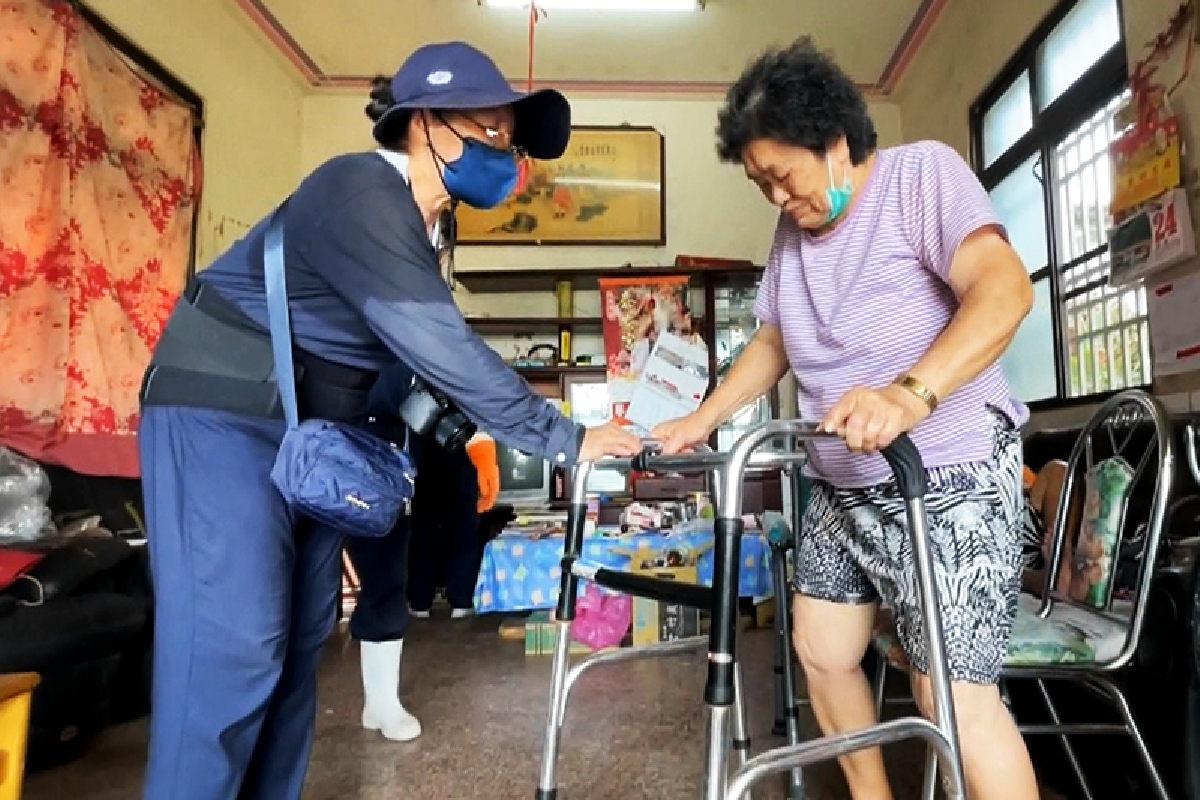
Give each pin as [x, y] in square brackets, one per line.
[559, 371]
[519, 325]
[584, 278]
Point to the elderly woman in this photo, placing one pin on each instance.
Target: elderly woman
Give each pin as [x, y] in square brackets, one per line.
[890, 291]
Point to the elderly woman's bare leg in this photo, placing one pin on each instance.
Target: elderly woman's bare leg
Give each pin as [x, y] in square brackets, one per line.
[995, 759]
[831, 639]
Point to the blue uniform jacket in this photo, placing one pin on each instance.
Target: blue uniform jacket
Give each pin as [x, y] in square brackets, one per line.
[365, 289]
[390, 389]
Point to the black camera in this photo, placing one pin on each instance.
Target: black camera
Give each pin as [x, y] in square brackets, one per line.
[428, 412]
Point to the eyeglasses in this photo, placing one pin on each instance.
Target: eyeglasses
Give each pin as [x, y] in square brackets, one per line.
[496, 138]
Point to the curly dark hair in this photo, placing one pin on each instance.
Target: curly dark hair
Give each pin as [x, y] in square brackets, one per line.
[797, 96]
[395, 135]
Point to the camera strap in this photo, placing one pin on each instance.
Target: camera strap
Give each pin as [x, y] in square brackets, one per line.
[374, 478]
[279, 316]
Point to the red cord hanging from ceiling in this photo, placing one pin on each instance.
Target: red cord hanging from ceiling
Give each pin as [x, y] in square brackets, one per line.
[535, 15]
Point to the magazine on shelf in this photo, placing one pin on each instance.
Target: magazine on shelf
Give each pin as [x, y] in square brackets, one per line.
[672, 384]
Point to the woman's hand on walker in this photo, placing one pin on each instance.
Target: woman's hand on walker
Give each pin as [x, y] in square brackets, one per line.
[681, 434]
[870, 419]
[609, 439]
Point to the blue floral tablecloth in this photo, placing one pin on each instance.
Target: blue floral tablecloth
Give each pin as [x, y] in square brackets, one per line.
[519, 573]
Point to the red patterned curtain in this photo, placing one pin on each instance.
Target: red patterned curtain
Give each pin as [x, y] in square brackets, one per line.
[99, 176]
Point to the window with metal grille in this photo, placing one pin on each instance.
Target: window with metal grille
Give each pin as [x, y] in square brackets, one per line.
[1040, 137]
[1106, 331]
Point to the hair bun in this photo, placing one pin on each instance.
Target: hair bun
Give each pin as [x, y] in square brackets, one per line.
[381, 97]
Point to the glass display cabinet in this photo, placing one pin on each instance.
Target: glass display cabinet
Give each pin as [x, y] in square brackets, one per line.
[733, 326]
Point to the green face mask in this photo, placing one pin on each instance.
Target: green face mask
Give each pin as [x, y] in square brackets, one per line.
[838, 197]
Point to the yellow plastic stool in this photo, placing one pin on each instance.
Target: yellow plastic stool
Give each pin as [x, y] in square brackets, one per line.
[15, 693]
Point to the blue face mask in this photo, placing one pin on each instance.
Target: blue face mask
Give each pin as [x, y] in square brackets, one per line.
[482, 176]
[838, 197]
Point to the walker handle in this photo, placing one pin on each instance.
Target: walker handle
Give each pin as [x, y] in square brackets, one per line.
[904, 459]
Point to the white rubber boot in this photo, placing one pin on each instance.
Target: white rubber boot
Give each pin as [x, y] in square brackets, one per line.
[382, 710]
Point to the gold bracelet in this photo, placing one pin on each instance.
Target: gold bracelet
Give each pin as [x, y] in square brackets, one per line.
[911, 384]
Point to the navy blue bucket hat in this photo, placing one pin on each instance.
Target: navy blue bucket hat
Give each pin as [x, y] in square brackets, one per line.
[455, 76]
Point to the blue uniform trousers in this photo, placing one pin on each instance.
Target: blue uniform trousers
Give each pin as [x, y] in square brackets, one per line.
[445, 529]
[381, 609]
[244, 599]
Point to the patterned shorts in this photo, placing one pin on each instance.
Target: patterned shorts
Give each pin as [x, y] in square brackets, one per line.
[855, 548]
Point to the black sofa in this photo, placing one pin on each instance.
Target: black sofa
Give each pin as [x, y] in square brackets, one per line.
[90, 639]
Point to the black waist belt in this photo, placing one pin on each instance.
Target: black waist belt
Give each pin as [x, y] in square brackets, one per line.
[211, 355]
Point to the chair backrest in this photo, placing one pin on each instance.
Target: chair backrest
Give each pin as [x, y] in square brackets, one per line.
[1123, 463]
[1192, 443]
[1108, 487]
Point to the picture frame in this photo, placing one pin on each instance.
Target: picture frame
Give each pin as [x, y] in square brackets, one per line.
[609, 188]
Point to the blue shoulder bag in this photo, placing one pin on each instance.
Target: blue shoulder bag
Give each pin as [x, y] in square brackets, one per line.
[336, 474]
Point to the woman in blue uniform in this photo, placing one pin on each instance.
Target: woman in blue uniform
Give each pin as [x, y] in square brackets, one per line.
[244, 594]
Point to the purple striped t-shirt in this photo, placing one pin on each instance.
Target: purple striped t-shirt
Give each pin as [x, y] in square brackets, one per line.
[861, 304]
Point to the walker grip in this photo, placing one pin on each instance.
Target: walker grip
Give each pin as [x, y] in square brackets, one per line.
[904, 459]
[650, 449]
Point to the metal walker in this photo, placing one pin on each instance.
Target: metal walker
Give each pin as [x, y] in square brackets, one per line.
[722, 693]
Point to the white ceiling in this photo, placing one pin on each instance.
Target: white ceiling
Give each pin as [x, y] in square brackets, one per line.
[344, 42]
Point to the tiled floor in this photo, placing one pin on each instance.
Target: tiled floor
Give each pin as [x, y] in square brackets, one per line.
[634, 730]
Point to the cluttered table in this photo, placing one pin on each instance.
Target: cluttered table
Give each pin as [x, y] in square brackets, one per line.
[522, 571]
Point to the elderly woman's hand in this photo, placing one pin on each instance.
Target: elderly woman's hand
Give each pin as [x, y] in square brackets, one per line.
[869, 419]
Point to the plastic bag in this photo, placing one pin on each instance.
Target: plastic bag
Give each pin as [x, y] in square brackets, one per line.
[601, 619]
[24, 490]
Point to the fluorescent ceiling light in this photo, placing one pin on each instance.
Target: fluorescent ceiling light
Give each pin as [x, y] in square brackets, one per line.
[604, 5]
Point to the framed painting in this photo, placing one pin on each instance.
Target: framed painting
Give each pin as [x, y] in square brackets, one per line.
[607, 189]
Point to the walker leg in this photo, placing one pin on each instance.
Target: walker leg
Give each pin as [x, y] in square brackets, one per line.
[929, 788]
[741, 733]
[786, 669]
[783, 614]
[547, 783]
[716, 772]
[939, 672]
[719, 690]
[786, 677]
[881, 675]
[782, 640]
[547, 788]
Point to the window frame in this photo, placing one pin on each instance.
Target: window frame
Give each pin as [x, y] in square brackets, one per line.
[1107, 77]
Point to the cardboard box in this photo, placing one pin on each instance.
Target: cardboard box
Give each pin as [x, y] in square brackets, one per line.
[764, 613]
[513, 627]
[664, 622]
